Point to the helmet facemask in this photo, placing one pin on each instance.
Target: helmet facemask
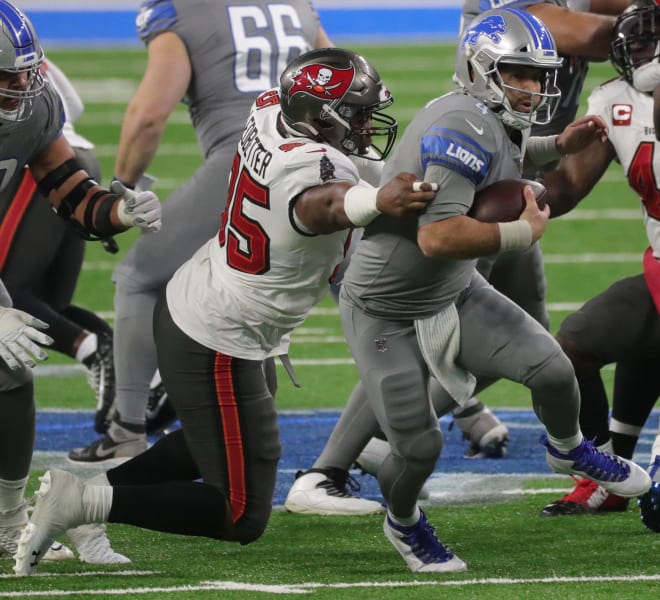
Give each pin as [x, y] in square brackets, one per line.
[24, 96]
[353, 129]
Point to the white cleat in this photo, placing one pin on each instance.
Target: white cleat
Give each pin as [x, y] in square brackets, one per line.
[93, 546]
[9, 537]
[420, 547]
[617, 475]
[58, 508]
[324, 493]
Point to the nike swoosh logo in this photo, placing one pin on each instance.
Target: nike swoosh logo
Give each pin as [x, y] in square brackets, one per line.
[477, 130]
[102, 451]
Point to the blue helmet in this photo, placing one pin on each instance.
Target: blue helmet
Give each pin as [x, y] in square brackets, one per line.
[512, 37]
[20, 52]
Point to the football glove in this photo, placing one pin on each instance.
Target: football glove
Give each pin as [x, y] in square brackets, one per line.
[139, 209]
[18, 336]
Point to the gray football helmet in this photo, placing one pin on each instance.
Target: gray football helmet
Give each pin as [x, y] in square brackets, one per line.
[508, 37]
[335, 95]
[20, 52]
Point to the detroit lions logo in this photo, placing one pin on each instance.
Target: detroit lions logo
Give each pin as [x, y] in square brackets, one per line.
[492, 27]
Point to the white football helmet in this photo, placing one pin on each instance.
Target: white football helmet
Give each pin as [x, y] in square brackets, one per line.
[20, 52]
[513, 37]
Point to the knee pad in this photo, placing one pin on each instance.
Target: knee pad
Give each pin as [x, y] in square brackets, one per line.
[422, 446]
[557, 372]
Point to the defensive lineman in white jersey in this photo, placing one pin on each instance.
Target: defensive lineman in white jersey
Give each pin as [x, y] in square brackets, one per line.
[293, 195]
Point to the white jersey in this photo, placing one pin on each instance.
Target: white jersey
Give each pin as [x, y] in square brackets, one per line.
[629, 117]
[245, 290]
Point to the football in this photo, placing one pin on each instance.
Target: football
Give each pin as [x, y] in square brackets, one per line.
[503, 201]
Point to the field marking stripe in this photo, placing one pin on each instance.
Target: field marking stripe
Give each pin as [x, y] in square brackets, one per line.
[75, 370]
[556, 259]
[305, 588]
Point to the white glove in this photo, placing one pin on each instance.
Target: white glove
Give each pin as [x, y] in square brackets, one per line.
[646, 77]
[139, 209]
[18, 336]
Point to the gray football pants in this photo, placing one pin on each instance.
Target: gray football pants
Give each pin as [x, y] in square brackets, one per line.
[498, 339]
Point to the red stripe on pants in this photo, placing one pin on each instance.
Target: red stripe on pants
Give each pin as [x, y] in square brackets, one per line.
[231, 426]
[14, 215]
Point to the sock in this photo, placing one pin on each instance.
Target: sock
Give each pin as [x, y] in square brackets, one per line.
[472, 406]
[87, 347]
[655, 449]
[406, 521]
[566, 444]
[12, 503]
[97, 501]
[100, 479]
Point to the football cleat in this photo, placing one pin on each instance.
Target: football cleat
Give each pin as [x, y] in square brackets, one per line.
[101, 378]
[160, 414]
[487, 435]
[115, 447]
[9, 537]
[617, 475]
[59, 506]
[93, 546]
[586, 498]
[324, 492]
[649, 505]
[373, 455]
[420, 547]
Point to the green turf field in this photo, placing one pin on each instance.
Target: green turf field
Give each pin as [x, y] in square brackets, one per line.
[511, 552]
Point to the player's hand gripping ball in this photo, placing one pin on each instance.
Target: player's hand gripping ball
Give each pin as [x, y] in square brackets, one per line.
[504, 201]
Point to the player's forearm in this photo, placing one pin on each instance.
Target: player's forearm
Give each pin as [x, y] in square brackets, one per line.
[138, 144]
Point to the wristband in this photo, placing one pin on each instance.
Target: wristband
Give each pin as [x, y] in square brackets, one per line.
[126, 185]
[360, 205]
[543, 149]
[515, 235]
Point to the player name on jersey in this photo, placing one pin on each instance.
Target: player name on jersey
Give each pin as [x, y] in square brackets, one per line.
[255, 154]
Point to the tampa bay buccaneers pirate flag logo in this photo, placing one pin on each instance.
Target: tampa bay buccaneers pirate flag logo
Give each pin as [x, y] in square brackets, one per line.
[323, 81]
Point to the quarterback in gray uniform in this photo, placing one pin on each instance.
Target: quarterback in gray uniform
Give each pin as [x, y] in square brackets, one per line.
[31, 122]
[217, 57]
[294, 195]
[580, 36]
[412, 302]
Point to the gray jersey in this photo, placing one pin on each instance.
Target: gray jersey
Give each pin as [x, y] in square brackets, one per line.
[455, 137]
[21, 142]
[571, 75]
[237, 50]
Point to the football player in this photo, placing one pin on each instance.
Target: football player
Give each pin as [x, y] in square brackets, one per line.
[582, 33]
[518, 274]
[294, 195]
[41, 256]
[31, 134]
[217, 57]
[412, 302]
[620, 325]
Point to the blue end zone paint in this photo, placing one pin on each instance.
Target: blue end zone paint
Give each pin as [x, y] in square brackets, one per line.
[304, 435]
[117, 27]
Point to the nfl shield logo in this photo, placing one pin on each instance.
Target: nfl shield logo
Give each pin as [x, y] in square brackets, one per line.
[381, 344]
